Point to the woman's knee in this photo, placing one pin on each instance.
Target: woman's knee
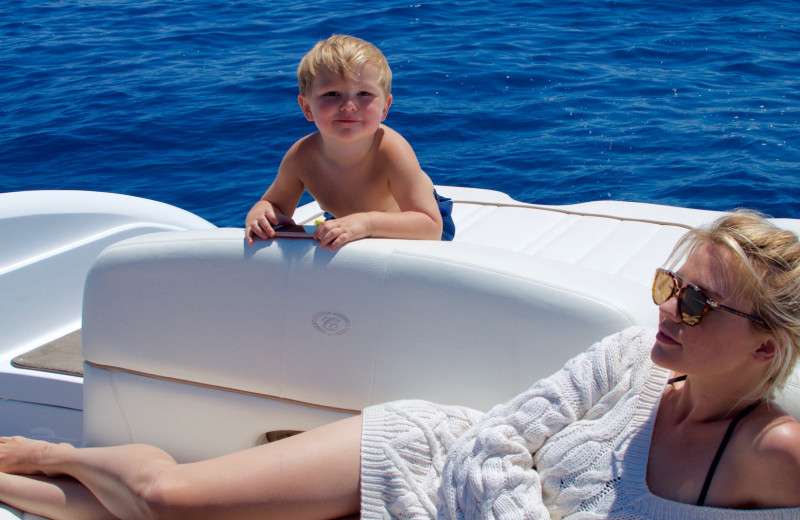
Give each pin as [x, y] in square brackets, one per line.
[162, 493]
[158, 486]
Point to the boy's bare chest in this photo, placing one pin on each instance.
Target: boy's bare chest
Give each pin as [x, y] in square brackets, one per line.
[342, 191]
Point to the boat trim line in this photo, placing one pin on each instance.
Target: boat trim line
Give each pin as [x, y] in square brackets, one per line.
[554, 209]
[221, 388]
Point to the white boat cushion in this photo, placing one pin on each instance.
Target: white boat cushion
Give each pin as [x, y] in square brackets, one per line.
[329, 333]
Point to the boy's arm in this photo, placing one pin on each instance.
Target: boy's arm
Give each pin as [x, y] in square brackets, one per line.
[411, 187]
[419, 216]
[278, 203]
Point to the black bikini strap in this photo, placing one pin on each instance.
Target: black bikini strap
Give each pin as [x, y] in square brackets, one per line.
[721, 449]
[673, 380]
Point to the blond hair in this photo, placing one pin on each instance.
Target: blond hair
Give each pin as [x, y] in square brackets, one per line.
[343, 55]
[767, 274]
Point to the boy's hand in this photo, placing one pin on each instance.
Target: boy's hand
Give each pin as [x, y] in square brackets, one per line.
[335, 233]
[260, 220]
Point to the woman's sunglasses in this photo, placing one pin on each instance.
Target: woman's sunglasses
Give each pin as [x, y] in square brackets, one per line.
[692, 302]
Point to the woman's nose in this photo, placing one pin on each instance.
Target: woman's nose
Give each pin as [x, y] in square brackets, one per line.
[670, 308]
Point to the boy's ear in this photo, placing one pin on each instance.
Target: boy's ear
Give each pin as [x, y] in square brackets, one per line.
[766, 351]
[386, 108]
[301, 99]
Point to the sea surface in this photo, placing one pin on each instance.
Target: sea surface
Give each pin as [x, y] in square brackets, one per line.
[555, 102]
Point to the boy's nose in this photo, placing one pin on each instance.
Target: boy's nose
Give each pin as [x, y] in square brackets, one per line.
[348, 105]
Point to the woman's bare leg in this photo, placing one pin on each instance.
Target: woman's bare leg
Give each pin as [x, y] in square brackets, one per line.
[311, 475]
[56, 498]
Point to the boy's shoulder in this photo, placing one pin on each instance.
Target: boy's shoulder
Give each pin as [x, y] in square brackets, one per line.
[311, 140]
[391, 141]
[301, 157]
[390, 133]
[304, 147]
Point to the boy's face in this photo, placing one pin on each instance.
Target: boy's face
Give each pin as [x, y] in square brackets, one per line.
[345, 108]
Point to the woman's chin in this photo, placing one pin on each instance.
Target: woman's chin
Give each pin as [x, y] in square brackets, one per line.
[663, 352]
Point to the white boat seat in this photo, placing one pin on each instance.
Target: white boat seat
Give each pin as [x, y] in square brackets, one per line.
[224, 342]
[55, 237]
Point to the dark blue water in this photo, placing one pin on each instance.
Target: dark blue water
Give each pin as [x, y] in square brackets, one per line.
[194, 103]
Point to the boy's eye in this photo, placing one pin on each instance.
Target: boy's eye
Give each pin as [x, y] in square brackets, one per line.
[364, 93]
[330, 94]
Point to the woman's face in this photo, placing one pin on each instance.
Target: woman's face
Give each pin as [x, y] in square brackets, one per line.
[722, 344]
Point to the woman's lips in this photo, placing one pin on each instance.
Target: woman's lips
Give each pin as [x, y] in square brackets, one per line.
[665, 337]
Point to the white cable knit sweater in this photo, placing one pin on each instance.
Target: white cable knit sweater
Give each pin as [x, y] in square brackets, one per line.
[588, 427]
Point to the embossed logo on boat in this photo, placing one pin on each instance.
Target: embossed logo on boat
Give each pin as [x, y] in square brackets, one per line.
[331, 323]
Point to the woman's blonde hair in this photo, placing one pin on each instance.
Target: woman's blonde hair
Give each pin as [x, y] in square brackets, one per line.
[344, 55]
[767, 274]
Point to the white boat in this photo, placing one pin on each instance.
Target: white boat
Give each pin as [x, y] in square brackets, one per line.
[126, 320]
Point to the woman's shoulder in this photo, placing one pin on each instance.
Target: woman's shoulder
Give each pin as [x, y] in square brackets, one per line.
[622, 356]
[619, 351]
[630, 346]
[768, 453]
[776, 451]
[636, 335]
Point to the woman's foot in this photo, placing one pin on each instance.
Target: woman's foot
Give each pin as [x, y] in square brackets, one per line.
[24, 456]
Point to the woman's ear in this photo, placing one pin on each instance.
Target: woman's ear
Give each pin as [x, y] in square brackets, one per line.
[767, 351]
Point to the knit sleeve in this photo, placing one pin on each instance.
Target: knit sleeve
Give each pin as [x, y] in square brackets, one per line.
[489, 474]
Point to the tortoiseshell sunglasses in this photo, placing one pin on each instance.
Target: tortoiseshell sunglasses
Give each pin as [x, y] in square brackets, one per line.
[692, 302]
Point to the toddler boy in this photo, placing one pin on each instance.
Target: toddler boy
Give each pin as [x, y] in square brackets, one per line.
[359, 170]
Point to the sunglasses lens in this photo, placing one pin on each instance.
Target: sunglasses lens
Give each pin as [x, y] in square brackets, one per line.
[663, 287]
[693, 306]
[692, 303]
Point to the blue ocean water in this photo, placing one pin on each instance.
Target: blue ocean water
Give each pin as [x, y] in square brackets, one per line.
[554, 102]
